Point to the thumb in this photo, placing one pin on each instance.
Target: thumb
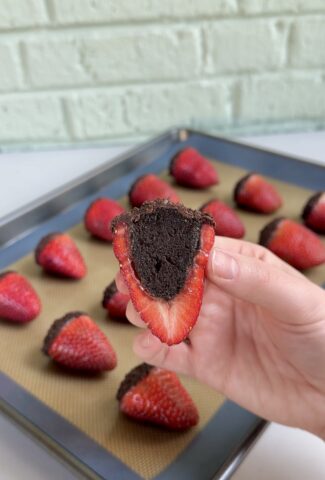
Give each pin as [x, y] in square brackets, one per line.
[292, 299]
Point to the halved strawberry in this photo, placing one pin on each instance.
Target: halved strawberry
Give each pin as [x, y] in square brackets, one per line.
[76, 342]
[58, 254]
[163, 250]
[191, 169]
[150, 187]
[156, 396]
[314, 212]
[18, 300]
[254, 192]
[294, 243]
[227, 222]
[115, 302]
[99, 216]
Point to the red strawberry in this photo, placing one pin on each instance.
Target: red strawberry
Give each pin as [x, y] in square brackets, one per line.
[150, 187]
[314, 212]
[191, 169]
[294, 243]
[99, 215]
[115, 302]
[76, 342]
[163, 250]
[154, 395]
[58, 254]
[18, 300]
[255, 193]
[227, 222]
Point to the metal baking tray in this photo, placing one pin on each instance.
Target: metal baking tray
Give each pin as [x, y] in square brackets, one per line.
[220, 447]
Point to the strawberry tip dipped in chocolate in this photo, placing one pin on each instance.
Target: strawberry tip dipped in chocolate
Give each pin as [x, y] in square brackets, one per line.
[191, 169]
[19, 302]
[253, 192]
[77, 343]
[58, 255]
[294, 243]
[314, 213]
[115, 303]
[150, 187]
[156, 396]
[227, 222]
[163, 249]
[99, 216]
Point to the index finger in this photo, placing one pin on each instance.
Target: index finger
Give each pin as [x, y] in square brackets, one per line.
[249, 249]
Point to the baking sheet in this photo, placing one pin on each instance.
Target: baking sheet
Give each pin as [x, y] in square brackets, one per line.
[89, 403]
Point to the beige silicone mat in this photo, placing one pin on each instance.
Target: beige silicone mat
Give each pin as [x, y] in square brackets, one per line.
[89, 403]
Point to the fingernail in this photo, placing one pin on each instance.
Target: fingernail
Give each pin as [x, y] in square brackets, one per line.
[223, 265]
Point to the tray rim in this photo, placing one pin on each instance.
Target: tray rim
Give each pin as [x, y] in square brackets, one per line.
[174, 135]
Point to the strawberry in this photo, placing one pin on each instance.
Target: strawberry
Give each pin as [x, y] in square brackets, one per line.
[314, 212]
[191, 169]
[163, 250]
[58, 254]
[99, 215]
[150, 187]
[115, 302]
[75, 341]
[18, 300]
[156, 396]
[255, 193]
[227, 222]
[294, 243]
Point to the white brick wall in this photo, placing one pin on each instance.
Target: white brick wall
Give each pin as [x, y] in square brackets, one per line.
[97, 70]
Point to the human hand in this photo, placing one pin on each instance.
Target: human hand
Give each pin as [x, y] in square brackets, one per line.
[259, 339]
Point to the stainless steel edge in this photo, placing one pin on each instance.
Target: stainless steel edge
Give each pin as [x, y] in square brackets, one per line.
[297, 158]
[50, 446]
[23, 220]
[237, 458]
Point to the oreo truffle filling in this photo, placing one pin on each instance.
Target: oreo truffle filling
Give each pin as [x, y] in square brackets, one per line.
[163, 247]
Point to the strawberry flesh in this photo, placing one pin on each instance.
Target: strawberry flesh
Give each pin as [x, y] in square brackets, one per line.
[191, 169]
[163, 250]
[19, 302]
[227, 222]
[156, 396]
[115, 302]
[255, 193]
[99, 216]
[294, 243]
[314, 213]
[150, 187]
[58, 254]
[75, 342]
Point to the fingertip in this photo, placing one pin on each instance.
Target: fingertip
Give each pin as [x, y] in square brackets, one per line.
[120, 284]
[147, 346]
[133, 316]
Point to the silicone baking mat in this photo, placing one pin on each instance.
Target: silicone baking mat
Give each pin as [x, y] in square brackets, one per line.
[88, 403]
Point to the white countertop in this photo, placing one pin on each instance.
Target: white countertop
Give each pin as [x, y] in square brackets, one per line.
[281, 453]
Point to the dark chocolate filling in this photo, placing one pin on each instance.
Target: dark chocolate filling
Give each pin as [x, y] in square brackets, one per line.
[55, 329]
[132, 378]
[310, 205]
[109, 292]
[4, 274]
[43, 242]
[164, 238]
[239, 185]
[268, 230]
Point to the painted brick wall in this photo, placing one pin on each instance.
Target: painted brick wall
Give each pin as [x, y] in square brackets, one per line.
[96, 70]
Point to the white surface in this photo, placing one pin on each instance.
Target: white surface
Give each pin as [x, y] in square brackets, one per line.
[281, 453]
[26, 176]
